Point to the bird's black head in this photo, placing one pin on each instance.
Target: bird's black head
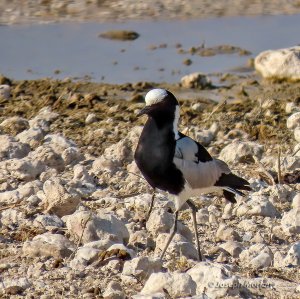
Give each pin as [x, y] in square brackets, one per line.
[159, 102]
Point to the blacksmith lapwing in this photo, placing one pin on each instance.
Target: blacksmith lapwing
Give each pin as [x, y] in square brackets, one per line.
[173, 162]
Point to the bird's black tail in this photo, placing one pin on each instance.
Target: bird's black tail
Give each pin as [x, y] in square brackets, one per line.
[232, 184]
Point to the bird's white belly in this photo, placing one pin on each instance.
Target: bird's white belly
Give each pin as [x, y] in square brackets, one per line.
[188, 192]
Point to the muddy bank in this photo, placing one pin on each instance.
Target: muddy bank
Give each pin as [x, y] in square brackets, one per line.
[12, 12]
[118, 104]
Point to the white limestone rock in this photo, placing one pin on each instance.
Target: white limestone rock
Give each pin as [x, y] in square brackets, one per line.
[247, 225]
[107, 200]
[195, 80]
[82, 181]
[293, 255]
[213, 279]
[101, 245]
[33, 201]
[5, 91]
[59, 199]
[204, 136]
[140, 268]
[32, 136]
[133, 169]
[14, 124]
[233, 248]
[114, 291]
[84, 257]
[257, 206]
[81, 174]
[257, 256]
[49, 245]
[236, 134]
[262, 260]
[12, 217]
[30, 188]
[43, 119]
[10, 148]
[141, 201]
[296, 201]
[58, 142]
[89, 253]
[117, 154]
[160, 221]
[290, 163]
[49, 157]
[258, 238]
[177, 284]
[241, 151]
[291, 107]
[278, 260]
[179, 246]
[21, 193]
[48, 174]
[293, 121]
[282, 64]
[198, 107]
[226, 233]
[14, 286]
[157, 295]
[276, 193]
[297, 133]
[141, 239]
[48, 220]
[227, 212]
[91, 118]
[72, 156]
[25, 169]
[97, 227]
[202, 216]
[104, 164]
[290, 222]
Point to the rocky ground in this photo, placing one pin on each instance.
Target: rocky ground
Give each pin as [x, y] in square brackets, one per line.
[73, 203]
[27, 11]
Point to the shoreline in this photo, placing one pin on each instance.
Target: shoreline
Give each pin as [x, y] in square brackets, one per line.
[120, 11]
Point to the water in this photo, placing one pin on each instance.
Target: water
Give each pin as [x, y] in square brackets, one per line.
[35, 51]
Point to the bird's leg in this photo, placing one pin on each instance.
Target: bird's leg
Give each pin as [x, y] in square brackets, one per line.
[151, 205]
[194, 211]
[172, 234]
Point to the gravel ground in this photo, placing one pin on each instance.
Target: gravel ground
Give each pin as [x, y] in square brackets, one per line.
[73, 204]
[101, 11]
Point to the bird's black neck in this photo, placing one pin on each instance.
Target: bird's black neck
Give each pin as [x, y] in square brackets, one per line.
[162, 119]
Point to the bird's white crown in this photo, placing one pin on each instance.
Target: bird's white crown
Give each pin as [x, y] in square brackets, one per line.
[155, 96]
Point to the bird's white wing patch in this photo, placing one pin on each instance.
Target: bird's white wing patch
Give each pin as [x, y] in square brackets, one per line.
[186, 149]
[202, 174]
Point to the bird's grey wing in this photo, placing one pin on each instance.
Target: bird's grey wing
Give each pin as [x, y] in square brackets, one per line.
[201, 174]
[199, 169]
[191, 150]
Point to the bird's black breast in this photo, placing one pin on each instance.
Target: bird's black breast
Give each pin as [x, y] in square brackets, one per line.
[154, 157]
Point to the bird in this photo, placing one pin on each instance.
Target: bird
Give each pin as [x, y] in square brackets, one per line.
[175, 163]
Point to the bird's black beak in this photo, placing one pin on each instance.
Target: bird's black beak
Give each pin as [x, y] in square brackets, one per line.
[145, 110]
